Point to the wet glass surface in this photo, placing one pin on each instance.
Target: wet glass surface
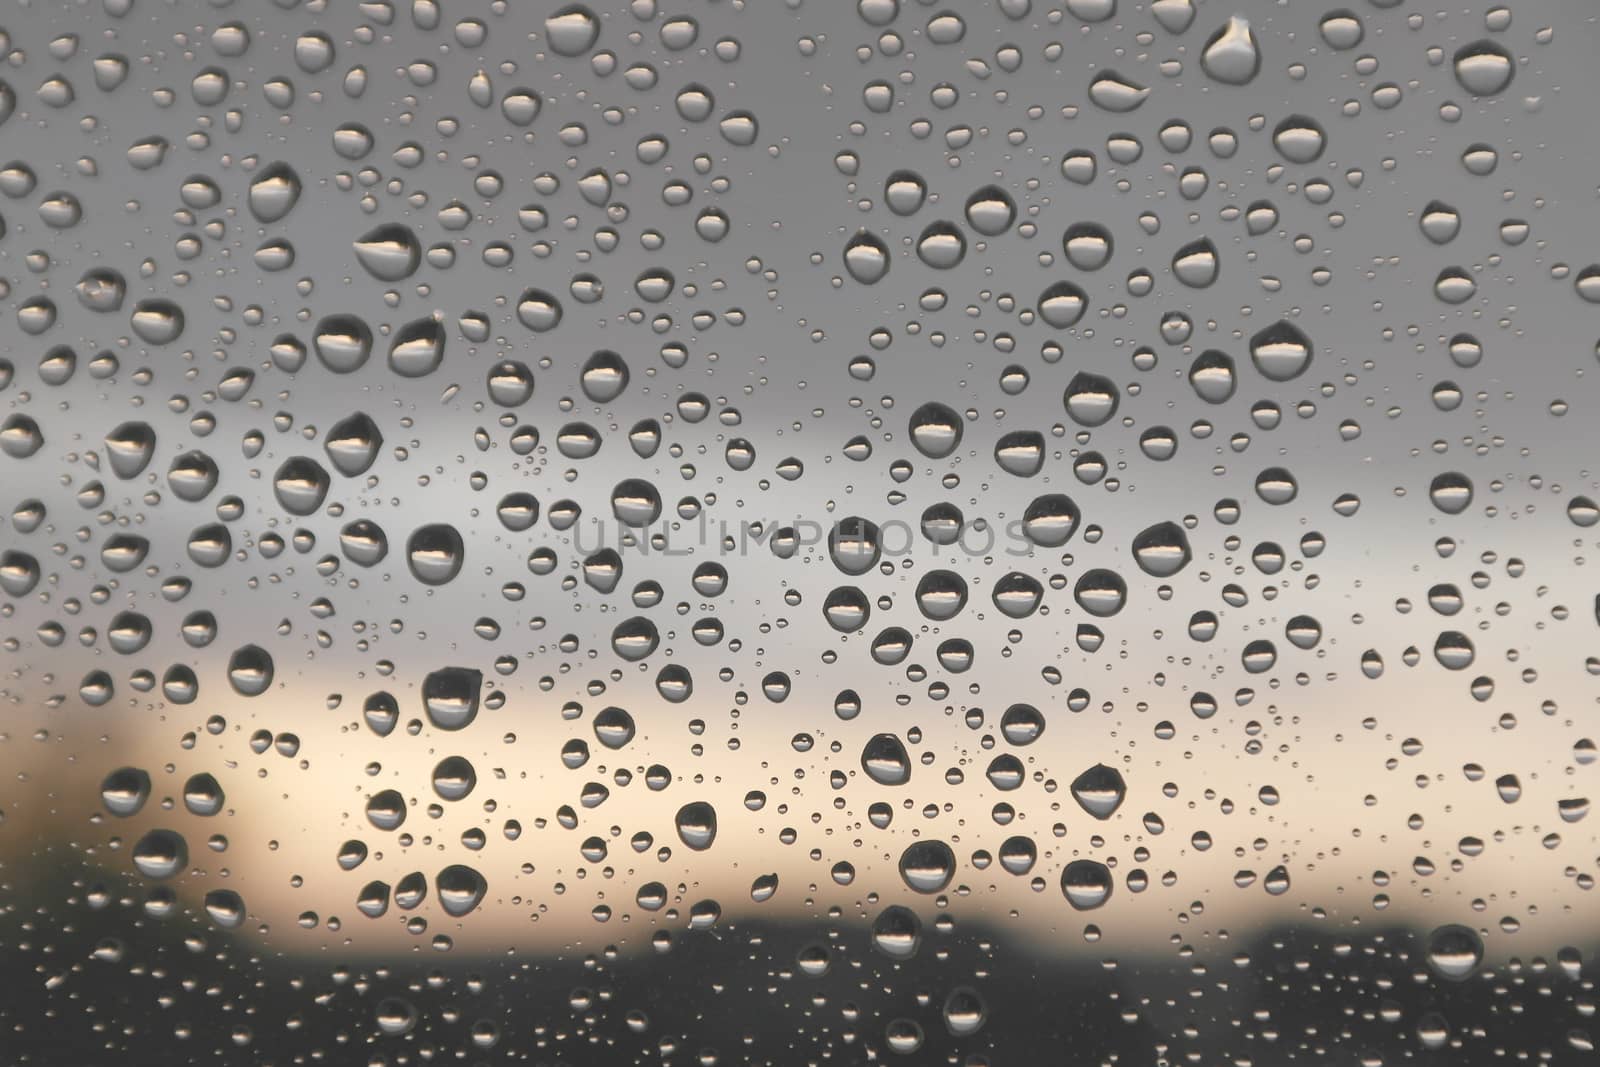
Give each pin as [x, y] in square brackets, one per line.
[797, 533]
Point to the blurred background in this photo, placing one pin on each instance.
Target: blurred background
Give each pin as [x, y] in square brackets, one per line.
[1352, 821]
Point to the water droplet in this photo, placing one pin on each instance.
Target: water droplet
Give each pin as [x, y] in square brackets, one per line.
[1099, 790]
[461, 889]
[1231, 55]
[1451, 492]
[1484, 68]
[342, 343]
[1114, 93]
[389, 252]
[435, 553]
[225, 908]
[157, 322]
[1088, 245]
[274, 192]
[125, 791]
[854, 546]
[1196, 264]
[991, 211]
[417, 349]
[572, 30]
[927, 866]
[697, 825]
[1086, 884]
[352, 444]
[450, 697]
[935, 430]
[1439, 222]
[1299, 139]
[1281, 352]
[1455, 952]
[1091, 399]
[454, 778]
[1062, 304]
[160, 854]
[964, 1009]
[1162, 550]
[897, 932]
[866, 258]
[1341, 29]
[885, 761]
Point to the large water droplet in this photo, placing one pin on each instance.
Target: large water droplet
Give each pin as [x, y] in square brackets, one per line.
[274, 192]
[571, 30]
[1062, 304]
[697, 825]
[935, 430]
[352, 444]
[418, 347]
[1232, 56]
[1086, 884]
[928, 866]
[1484, 68]
[897, 932]
[1114, 93]
[342, 343]
[866, 258]
[461, 889]
[1281, 352]
[389, 252]
[1099, 790]
[435, 553]
[885, 761]
[160, 854]
[1091, 399]
[1162, 550]
[125, 791]
[1454, 952]
[449, 695]
[1299, 139]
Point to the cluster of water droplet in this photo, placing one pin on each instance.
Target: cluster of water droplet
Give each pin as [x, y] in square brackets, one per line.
[811, 440]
